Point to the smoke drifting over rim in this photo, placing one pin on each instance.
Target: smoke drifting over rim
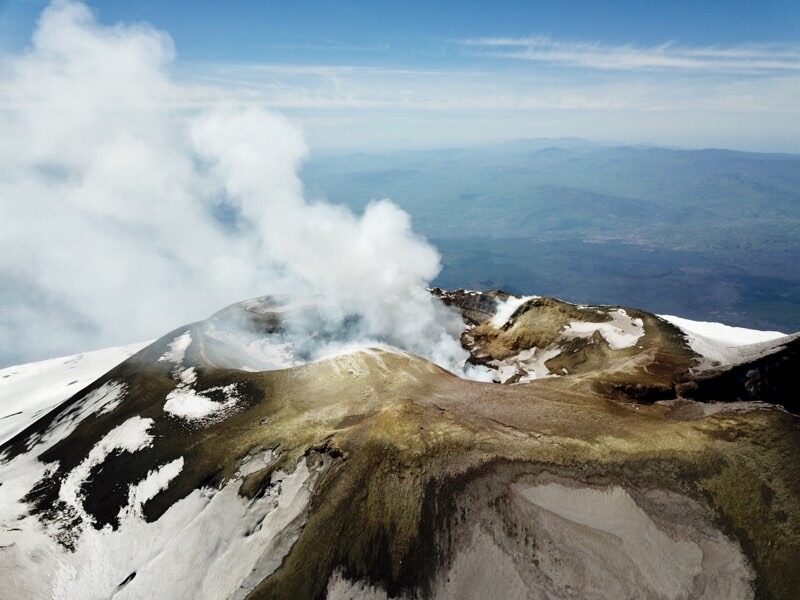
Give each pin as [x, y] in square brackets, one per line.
[124, 216]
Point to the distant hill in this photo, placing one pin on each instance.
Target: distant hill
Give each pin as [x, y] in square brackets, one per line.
[707, 233]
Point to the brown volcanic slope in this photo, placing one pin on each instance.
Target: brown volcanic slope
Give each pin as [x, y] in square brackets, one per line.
[426, 485]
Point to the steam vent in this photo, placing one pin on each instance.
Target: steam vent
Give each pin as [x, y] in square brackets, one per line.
[582, 452]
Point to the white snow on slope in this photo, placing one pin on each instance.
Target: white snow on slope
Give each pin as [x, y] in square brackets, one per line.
[186, 403]
[155, 481]
[533, 362]
[733, 336]
[234, 542]
[28, 391]
[187, 376]
[130, 436]
[526, 366]
[211, 544]
[622, 331]
[722, 344]
[176, 351]
[102, 399]
[507, 307]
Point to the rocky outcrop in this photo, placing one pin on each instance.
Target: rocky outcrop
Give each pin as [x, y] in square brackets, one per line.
[772, 378]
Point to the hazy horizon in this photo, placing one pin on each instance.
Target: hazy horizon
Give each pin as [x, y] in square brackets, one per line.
[379, 77]
[553, 142]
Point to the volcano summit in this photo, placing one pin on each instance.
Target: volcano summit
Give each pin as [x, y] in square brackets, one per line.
[590, 451]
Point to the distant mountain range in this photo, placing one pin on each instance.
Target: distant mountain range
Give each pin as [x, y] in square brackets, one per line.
[711, 234]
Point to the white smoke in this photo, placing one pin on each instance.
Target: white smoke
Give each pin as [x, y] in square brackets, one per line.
[123, 214]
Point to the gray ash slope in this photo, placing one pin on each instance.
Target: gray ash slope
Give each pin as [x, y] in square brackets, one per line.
[218, 462]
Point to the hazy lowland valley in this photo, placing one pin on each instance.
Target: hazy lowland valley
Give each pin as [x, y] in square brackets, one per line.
[706, 234]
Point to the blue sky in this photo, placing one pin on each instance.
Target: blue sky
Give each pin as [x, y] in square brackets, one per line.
[413, 33]
[395, 75]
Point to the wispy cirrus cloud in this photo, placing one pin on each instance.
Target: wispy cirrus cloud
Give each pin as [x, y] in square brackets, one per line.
[399, 107]
[328, 87]
[742, 58]
[742, 96]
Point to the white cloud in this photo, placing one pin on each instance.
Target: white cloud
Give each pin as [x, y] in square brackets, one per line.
[312, 87]
[108, 190]
[677, 95]
[358, 107]
[747, 58]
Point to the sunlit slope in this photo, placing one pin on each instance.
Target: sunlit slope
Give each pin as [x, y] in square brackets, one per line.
[30, 390]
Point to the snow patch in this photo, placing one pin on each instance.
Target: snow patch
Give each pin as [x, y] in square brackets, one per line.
[506, 308]
[723, 334]
[155, 481]
[100, 400]
[533, 362]
[186, 403]
[622, 331]
[525, 366]
[187, 376]
[29, 391]
[210, 544]
[176, 351]
[132, 435]
[724, 345]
